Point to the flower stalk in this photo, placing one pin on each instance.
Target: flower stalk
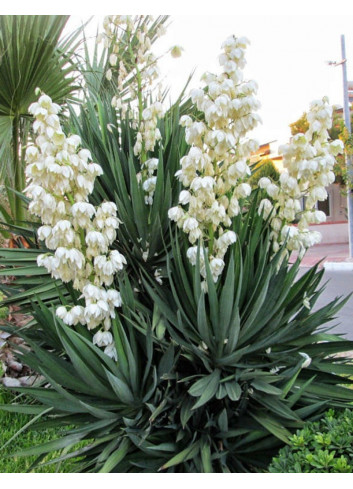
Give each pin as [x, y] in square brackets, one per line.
[61, 178]
[215, 172]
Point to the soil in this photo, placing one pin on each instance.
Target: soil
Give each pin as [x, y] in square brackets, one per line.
[12, 371]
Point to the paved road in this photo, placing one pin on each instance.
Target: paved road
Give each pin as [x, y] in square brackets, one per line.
[340, 283]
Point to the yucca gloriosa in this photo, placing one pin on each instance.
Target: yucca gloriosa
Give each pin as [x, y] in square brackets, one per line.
[181, 397]
[204, 382]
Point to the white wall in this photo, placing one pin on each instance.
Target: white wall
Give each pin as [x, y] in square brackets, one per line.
[332, 233]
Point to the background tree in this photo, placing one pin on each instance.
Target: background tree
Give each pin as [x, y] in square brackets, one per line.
[264, 168]
[32, 54]
[301, 125]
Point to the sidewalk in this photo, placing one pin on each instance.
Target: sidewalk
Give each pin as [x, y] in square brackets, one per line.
[334, 256]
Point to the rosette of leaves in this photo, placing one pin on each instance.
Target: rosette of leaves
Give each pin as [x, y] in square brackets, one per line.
[29, 282]
[112, 146]
[212, 382]
[143, 236]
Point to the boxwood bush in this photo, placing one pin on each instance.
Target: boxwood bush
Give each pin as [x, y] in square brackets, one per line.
[322, 446]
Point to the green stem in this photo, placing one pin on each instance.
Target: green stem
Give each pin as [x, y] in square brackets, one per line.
[19, 212]
[101, 122]
[70, 198]
[211, 238]
[83, 241]
[140, 102]
[140, 99]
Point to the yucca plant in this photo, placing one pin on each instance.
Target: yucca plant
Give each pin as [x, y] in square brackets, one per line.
[110, 141]
[211, 374]
[211, 382]
[111, 138]
[95, 125]
[149, 227]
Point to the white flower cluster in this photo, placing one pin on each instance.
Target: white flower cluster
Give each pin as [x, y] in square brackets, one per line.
[149, 133]
[146, 140]
[308, 168]
[215, 170]
[61, 177]
[130, 38]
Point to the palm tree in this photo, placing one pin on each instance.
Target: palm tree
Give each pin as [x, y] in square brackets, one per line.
[32, 54]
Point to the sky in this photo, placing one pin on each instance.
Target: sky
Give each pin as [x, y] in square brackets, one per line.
[287, 58]
[291, 42]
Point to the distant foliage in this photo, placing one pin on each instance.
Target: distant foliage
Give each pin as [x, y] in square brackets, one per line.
[301, 125]
[265, 168]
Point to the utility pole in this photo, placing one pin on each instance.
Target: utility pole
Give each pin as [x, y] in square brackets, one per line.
[347, 122]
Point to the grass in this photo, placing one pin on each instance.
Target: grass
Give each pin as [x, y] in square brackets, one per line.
[4, 311]
[10, 423]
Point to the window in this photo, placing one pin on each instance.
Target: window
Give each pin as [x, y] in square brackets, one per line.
[324, 206]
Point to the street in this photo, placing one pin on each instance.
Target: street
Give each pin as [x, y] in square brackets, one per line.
[339, 283]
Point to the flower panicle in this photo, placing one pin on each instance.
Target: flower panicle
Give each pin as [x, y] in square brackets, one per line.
[215, 171]
[78, 235]
[135, 68]
[308, 161]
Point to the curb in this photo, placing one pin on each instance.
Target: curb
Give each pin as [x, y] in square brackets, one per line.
[339, 266]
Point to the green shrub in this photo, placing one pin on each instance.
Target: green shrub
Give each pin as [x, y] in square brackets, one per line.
[322, 446]
[265, 168]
